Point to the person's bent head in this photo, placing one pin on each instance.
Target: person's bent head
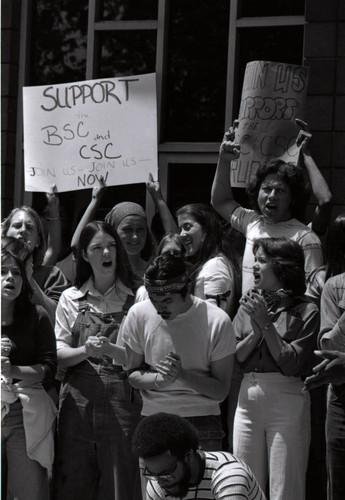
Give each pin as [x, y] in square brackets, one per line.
[17, 247]
[167, 443]
[100, 251]
[171, 243]
[163, 432]
[168, 285]
[24, 223]
[279, 191]
[129, 221]
[279, 263]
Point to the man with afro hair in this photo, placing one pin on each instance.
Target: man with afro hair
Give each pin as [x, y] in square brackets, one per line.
[175, 466]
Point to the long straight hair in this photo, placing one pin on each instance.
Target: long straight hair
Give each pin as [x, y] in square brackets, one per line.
[216, 239]
[335, 247]
[23, 304]
[123, 270]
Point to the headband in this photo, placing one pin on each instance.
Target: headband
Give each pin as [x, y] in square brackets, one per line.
[122, 210]
[160, 286]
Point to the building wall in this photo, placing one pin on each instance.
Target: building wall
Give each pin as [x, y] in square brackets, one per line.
[10, 42]
[324, 52]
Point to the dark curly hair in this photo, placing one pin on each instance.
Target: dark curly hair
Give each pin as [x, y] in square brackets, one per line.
[123, 269]
[161, 432]
[292, 175]
[287, 260]
[166, 267]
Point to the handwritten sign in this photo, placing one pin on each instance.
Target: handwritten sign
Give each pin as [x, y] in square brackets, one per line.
[74, 133]
[273, 95]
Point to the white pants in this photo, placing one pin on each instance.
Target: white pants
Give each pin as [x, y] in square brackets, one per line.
[272, 432]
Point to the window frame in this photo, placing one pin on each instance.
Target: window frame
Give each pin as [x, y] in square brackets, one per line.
[182, 152]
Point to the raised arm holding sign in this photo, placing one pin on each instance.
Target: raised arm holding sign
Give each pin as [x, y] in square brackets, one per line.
[273, 95]
[277, 190]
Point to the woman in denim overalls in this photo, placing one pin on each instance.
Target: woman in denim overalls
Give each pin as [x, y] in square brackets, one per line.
[98, 413]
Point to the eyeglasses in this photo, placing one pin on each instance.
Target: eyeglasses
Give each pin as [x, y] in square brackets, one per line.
[165, 475]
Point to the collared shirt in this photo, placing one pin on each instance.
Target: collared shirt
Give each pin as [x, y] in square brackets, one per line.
[332, 334]
[297, 324]
[68, 307]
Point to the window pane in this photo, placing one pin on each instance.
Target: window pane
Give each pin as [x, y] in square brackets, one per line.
[255, 8]
[116, 10]
[196, 70]
[126, 53]
[118, 194]
[59, 30]
[279, 43]
[197, 182]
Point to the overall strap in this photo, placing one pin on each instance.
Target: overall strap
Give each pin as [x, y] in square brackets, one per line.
[83, 304]
[128, 304]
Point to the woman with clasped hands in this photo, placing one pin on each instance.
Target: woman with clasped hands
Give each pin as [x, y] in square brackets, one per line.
[97, 415]
[276, 329]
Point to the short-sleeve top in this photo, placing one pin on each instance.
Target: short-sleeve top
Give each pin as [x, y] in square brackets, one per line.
[252, 225]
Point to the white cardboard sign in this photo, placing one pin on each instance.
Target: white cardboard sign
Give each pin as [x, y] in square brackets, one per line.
[74, 133]
[273, 95]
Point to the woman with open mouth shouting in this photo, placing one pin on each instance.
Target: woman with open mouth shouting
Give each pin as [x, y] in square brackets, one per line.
[97, 414]
[276, 330]
[28, 367]
[278, 194]
[47, 281]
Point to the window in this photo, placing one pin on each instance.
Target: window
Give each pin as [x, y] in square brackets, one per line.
[199, 51]
[126, 53]
[196, 70]
[59, 41]
[269, 8]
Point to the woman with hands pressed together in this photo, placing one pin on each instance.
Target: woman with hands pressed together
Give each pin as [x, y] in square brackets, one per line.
[276, 329]
[97, 414]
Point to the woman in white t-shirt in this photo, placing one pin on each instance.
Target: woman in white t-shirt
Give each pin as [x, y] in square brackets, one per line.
[278, 193]
[215, 275]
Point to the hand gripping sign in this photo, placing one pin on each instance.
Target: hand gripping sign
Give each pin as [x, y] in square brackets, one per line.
[273, 95]
[76, 133]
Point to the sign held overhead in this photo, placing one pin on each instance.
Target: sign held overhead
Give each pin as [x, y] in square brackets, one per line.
[74, 133]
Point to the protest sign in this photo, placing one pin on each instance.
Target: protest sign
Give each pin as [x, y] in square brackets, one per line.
[74, 133]
[273, 95]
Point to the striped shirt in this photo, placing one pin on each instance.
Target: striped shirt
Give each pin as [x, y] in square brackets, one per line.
[225, 476]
